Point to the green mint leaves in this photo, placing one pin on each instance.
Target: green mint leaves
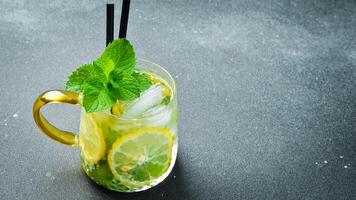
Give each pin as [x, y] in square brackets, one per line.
[118, 54]
[110, 78]
[96, 96]
[78, 78]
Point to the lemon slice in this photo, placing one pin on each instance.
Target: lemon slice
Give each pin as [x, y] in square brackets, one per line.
[141, 156]
[91, 140]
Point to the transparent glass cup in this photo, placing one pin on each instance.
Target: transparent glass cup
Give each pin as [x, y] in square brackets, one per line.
[102, 133]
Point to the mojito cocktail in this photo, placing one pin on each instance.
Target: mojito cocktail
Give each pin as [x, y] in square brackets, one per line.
[133, 145]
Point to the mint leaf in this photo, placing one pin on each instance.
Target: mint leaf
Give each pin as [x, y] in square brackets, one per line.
[127, 86]
[118, 54]
[106, 64]
[77, 79]
[124, 87]
[96, 96]
[166, 100]
[142, 80]
[118, 74]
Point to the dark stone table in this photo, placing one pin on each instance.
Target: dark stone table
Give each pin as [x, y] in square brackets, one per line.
[267, 95]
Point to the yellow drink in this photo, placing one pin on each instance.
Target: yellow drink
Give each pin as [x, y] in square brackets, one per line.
[135, 149]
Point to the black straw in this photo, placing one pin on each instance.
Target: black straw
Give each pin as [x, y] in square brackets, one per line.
[124, 18]
[109, 23]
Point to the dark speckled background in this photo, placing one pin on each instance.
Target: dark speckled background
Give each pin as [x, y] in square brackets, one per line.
[267, 95]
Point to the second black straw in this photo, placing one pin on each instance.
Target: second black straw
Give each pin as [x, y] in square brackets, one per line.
[124, 18]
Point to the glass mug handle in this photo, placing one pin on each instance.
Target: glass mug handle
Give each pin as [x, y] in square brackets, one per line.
[55, 96]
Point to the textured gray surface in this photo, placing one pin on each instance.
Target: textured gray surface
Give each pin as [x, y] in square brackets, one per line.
[266, 89]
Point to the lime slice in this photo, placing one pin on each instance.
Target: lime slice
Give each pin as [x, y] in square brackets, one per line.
[141, 156]
[91, 140]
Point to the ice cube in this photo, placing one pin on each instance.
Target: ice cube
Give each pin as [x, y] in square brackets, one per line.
[148, 99]
[159, 115]
[154, 110]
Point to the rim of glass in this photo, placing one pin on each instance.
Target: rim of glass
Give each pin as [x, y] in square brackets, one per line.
[173, 96]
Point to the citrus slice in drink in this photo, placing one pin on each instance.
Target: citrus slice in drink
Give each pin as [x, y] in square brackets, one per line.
[91, 140]
[141, 156]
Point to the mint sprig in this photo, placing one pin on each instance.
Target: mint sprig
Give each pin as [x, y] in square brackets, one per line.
[96, 96]
[118, 54]
[109, 78]
[77, 80]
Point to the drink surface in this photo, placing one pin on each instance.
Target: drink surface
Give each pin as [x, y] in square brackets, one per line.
[133, 146]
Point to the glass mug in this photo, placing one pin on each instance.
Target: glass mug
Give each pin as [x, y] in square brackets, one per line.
[122, 154]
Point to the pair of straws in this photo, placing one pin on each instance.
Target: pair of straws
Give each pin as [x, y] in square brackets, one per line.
[110, 20]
